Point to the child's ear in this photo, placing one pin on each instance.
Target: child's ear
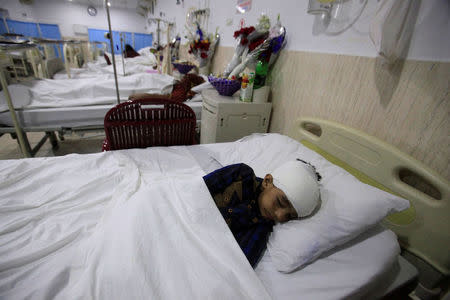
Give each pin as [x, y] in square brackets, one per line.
[268, 181]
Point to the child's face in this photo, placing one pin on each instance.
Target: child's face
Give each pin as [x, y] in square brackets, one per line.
[273, 203]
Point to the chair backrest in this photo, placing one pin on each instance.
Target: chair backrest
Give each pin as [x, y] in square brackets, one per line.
[149, 122]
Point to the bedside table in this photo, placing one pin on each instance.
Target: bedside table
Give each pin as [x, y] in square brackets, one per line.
[226, 119]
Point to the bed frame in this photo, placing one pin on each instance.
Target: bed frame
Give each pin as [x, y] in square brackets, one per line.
[39, 67]
[424, 228]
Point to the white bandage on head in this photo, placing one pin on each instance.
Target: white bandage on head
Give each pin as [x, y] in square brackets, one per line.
[299, 182]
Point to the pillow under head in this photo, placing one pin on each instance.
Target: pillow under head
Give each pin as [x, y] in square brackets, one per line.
[349, 208]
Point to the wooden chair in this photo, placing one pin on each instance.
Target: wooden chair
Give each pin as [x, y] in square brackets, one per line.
[149, 122]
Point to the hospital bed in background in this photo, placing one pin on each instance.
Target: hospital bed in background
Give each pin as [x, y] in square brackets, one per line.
[73, 55]
[125, 66]
[71, 105]
[74, 105]
[140, 223]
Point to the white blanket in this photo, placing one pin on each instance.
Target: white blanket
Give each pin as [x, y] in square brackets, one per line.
[84, 91]
[136, 224]
[133, 65]
[141, 224]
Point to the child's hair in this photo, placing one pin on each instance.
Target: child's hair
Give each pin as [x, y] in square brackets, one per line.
[319, 177]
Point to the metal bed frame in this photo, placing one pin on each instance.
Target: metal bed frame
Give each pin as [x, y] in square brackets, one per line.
[17, 131]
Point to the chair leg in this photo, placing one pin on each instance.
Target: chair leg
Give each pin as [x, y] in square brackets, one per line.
[53, 139]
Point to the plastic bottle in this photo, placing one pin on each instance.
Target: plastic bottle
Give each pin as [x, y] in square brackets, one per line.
[247, 87]
[261, 70]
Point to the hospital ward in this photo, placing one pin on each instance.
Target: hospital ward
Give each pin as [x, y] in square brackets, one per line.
[238, 149]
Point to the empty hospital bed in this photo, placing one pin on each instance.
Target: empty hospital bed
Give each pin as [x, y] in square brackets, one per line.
[140, 223]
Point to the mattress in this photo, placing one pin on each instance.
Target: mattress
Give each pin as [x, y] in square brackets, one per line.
[47, 218]
[101, 90]
[69, 117]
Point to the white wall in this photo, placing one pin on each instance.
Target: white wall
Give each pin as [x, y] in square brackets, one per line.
[65, 14]
[430, 41]
[431, 38]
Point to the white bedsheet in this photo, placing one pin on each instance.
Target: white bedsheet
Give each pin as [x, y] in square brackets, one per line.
[133, 65]
[119, 225]
[349, 271]
[85, 91]
[141, 224]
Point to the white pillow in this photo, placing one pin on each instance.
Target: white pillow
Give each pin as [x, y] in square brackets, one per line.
[349, 208]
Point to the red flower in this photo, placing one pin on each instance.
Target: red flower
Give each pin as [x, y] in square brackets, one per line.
[255, 44]
[244, 31]
[203, 55]
[244, 41]
[248, 30]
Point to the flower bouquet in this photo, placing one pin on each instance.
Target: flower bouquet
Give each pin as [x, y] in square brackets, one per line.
[254, 44]
[202, 46]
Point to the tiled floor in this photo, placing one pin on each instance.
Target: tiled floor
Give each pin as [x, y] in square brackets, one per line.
[73, 143]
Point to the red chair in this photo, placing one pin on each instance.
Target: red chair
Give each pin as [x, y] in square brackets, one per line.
[149, 122]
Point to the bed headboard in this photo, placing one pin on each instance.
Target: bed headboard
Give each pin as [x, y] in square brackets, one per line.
[424, 229]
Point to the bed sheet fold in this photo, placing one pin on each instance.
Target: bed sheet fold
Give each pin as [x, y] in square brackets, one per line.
[125, 224]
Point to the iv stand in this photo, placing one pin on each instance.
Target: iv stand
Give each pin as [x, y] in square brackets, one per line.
[122, 43]
[158, 27]
[158, 31]
[112, 51]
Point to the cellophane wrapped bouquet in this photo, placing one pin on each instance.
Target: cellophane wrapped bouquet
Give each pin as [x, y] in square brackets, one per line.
[202, 46]
[255, 43]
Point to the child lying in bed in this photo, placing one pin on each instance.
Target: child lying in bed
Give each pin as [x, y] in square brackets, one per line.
[251, 205]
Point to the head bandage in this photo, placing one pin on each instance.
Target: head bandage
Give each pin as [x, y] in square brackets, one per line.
[299, 182]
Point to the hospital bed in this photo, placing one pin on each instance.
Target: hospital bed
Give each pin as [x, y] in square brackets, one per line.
[79, 104]
[76, 104]
[140, 223]
[73, 54]
[125, 67]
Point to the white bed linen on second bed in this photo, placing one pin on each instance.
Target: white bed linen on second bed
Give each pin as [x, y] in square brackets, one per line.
[119, 225]
[85, 91]
[141, 224]
[133, 65]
